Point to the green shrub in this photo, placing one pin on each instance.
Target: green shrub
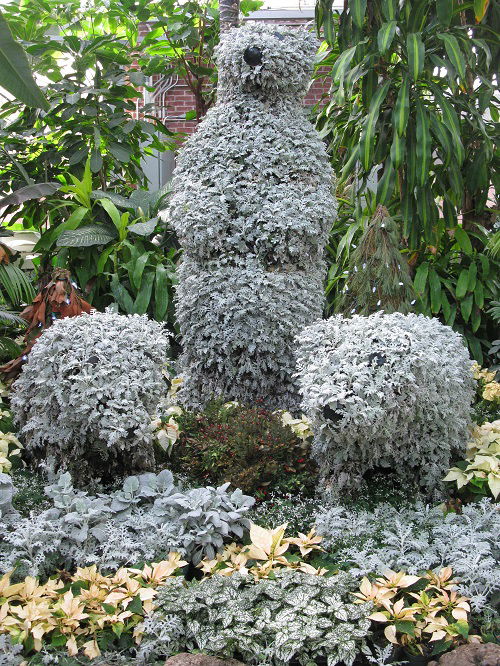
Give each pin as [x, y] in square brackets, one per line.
[247, 446]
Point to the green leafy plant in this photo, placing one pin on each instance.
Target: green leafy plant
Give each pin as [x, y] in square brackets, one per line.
[411, 125]
[248, 446]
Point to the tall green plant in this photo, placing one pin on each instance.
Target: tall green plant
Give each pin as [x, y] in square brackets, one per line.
[411, 125]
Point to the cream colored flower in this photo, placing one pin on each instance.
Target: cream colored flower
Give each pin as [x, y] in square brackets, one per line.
[307, 542]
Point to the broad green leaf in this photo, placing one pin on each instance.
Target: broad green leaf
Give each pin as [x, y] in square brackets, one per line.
[397, 150]
[462, 281]
[435, 291]
[462, 238]
[368, 136]
[450, 119]
[15, 71]
[161, 292]
[144, 228]
[471, 282]
[421, 278]
[117, 199]
[95, 162]
[444, 11]
[29, 192]
[475, 318]
[385, 186]
[466, 307]
[402, 108]
[479, 294]
[86, 236]
[120, 152]
[103, 258]
[405, 627]
[113, 212]
[386, 35]
[390, 9]
[442, 136]
[423, 143]
[139, 266]
[143, 298]
[416, 54]
[358, 10]
[454, 53]
[121, 295]
[50, 237]
[342, 63]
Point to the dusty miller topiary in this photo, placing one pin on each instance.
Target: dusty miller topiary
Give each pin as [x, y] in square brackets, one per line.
[147, 518]
[88, 391]
[252, 205]
[387, 391]
[294, 617]
[417, 538]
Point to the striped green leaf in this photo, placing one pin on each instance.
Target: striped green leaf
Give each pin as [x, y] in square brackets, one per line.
[411, 159]
[427, 210]
[416, 54]
[454, 53]
[442, 136]
[480, 9]
[423, 143]
[435, 291]
[450, 119]
[386, 35]
[389, 9]
[402, 108]
[397, 150]
[342, 63]
[368, 136]
[385, 186]
[358, 10]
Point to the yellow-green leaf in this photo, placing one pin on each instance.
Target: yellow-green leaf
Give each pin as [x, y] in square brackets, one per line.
[423, 143]
[454, 53]
[402, 107]
[386, 35]
[416, 54]
[368, 136]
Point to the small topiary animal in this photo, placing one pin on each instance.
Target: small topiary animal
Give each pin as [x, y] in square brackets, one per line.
[388, 391]
[87, 394]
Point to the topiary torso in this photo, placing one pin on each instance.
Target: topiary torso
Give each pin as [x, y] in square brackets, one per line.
[252, 206]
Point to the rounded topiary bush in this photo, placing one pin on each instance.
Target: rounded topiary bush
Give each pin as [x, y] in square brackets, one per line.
[89, 389]
[388, 391]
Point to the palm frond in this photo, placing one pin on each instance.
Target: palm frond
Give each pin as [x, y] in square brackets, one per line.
[16, 285]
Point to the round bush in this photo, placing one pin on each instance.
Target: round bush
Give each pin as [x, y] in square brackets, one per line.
[387, 391]
[87, 394]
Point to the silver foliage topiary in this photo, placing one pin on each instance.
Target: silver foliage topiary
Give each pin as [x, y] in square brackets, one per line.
[385, 391]
[252, 205]
[86, 395]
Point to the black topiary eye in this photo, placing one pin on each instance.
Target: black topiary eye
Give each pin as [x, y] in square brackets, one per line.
[279, 36]
[253, 56]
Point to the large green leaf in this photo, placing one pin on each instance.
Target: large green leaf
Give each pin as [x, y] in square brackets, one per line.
[386, 35]
[368, 136]
[442, 136]
[358, 10]
[386, 183]
[161, 292]
[15, 71]
[121, 295]
[397, 150]
[421, 278]
[416, 54]
[423, 143]
[86, 236]
[143, 298]
[36, 191]
[444, 11]
[450, 119]
[402, 108]
[454, 53]
[435, 291]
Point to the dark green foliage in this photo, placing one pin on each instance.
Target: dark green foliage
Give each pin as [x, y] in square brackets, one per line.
[247, 446]
[413, 100]
[379, 276]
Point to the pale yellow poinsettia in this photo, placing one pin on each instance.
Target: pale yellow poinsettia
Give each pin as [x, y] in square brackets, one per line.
[307, 542]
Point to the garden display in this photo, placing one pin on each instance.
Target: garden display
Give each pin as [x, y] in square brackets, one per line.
[252, 205]
[228, 477]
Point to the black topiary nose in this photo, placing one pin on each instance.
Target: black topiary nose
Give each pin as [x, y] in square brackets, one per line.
[253, 56]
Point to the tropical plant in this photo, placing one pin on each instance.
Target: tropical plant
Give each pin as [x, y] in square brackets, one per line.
[411, 125]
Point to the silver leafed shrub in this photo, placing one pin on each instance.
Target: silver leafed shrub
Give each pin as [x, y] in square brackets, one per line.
[87, 393]
[252, 205]
[388, 391]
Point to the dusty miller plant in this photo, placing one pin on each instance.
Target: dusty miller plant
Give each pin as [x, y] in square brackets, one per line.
[146, 518]
[386, 391]
[294, 617]
[418, 538]
[252, 205]
[88, 391]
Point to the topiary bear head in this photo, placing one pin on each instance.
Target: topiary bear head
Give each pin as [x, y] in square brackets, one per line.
[265, 61]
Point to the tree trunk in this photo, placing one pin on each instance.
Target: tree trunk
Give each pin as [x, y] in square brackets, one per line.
[229, 14]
